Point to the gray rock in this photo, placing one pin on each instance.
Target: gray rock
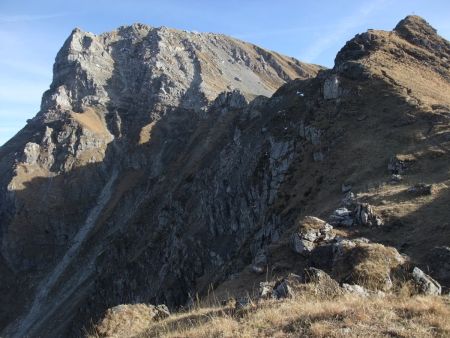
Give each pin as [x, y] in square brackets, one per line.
[300, 245]
[31, 153]
[421, 189]
[162, 312]
[349, 200]
[266, 290]
[231, 100]
[312, 231]
[355, 289]
[342, 216]
[364, 214]
[282, 289]
[331, 88]
[425, 283]
[342, 212]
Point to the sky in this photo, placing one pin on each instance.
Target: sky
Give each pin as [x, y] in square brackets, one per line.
[32, 32]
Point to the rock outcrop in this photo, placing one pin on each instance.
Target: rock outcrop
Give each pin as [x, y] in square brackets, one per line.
[311, 232]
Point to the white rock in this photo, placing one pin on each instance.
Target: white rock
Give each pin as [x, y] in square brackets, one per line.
[425, 283]
[355, 289]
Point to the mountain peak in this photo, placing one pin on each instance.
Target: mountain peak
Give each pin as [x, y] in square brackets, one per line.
[414, 26]
[412, 29]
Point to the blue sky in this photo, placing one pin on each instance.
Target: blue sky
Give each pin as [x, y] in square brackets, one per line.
[31, 32]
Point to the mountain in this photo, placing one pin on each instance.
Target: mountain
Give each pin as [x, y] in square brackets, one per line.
[125, 125]
[159, 168]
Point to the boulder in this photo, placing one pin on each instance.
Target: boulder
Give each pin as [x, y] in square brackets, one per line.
[355, 289]
[300, 245]
[282, 289]
[425, 284]
[311, 232]
[162, 311]
[365, 215]
[279, 289]
[341, 217]
[319, 282]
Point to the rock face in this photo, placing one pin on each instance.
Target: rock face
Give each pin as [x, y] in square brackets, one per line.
[158, 166]
[137, 143]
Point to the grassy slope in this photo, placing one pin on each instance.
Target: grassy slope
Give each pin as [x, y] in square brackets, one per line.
[309, 313]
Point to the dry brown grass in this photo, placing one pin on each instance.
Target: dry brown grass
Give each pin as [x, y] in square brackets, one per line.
[92, 120]
[129, 320]
[309, 313]
[367, 264]
[310, 222]
[311, 316]
[375, 262]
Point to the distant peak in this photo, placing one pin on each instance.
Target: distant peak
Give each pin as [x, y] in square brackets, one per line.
[414, 26]
[77, 30]
[136, 25]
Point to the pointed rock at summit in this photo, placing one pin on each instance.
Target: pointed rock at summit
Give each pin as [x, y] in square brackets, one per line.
[419, 32]
[414, 27]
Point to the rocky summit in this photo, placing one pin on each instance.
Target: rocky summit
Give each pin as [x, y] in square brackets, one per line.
[165, 165]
